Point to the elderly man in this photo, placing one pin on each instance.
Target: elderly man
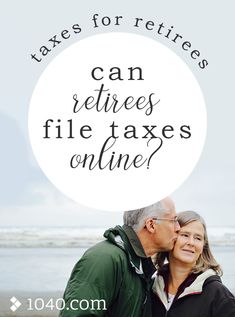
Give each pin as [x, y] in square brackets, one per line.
[113, 278]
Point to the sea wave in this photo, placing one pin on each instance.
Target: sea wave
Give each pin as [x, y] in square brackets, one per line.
[69, 237]
[50, 237]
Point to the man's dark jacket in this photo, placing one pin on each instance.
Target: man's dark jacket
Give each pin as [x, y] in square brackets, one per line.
[116, 271]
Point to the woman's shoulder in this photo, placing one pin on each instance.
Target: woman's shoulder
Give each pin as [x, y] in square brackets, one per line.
[223, 299]
[214, 284]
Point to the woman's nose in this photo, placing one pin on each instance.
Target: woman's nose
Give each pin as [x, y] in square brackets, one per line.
[190, 240]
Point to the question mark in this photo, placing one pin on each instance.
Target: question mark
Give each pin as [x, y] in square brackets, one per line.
[160, 145]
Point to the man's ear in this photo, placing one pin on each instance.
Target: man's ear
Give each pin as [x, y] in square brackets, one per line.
[150, 225]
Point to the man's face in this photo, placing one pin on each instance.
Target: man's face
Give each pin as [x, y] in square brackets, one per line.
[166, 231]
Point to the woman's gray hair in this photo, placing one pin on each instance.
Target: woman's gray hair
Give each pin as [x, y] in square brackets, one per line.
[206, 260]
[136, 218]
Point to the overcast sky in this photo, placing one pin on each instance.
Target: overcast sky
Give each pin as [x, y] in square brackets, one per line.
[26, 195]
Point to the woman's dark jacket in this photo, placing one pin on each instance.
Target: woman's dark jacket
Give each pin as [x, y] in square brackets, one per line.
[200, 295]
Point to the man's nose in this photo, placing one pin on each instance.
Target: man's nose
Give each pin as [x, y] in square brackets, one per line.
[177, 227]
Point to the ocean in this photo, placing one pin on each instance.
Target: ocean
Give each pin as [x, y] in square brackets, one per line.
[41, 259]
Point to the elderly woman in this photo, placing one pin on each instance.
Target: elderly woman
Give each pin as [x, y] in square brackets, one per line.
[190, 284]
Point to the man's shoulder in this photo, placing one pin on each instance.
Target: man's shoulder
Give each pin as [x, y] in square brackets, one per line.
[105, 248]
[104, 256]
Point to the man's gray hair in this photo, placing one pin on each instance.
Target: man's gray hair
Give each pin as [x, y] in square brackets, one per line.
[136, 218]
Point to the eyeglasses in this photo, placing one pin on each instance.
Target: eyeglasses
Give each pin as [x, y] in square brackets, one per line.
[174, 220]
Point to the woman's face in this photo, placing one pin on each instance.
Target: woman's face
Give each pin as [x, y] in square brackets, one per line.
[189, 244]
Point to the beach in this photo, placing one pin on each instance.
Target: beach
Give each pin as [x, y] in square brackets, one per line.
[35, 268]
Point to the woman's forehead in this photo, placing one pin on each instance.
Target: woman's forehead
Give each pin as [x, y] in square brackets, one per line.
[193, 227]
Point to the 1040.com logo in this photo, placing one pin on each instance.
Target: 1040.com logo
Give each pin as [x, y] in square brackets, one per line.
[41, 304]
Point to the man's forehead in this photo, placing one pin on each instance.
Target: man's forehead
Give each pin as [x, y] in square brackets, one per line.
[169, 213]
[168, 204]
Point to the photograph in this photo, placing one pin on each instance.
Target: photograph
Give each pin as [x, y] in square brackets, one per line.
[117, 165]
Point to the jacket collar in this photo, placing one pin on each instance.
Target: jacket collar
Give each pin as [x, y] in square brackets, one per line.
[192, 285]
[134, 241]
[197, 284]
[126, 238]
